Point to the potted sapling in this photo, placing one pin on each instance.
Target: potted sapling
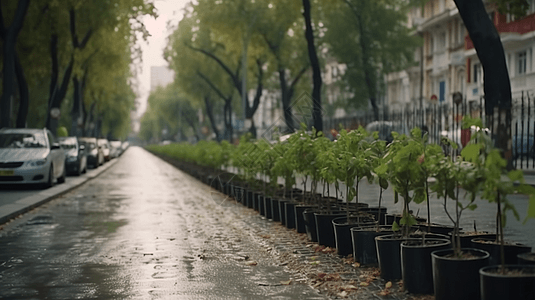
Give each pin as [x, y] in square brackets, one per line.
[353, 155]
[456, 270]
[503, 279]
[363, 238]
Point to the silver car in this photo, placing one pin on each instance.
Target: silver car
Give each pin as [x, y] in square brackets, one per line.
[30, 156]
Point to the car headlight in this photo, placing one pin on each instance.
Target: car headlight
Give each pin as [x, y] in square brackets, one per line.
[38, 162]
[71, 158]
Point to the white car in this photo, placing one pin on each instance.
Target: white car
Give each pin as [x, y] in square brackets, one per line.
[30, 156]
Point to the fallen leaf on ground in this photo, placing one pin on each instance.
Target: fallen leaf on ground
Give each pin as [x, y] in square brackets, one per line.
[342, 294]
[364, 284]
[251, 263]
[384, 293]
[349, 287]
[388, 285]
[287, 282]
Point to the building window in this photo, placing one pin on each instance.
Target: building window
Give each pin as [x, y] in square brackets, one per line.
[522, 59]
[441, 41]
[531, 8]
[461, 33]
[477, 73]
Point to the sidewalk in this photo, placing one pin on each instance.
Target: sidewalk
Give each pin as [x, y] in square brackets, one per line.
[14, 208]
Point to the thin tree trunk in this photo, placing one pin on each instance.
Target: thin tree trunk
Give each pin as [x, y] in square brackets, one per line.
[288, 115]
[316, 71]
[10, 35]
[76, 112]
[24, 104]
[210, 114]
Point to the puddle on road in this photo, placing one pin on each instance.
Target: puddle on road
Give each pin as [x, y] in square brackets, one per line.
[41, 220]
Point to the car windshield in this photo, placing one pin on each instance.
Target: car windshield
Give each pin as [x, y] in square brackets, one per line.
[68, 143]
[22, 140]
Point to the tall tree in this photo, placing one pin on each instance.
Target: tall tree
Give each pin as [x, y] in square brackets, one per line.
[371, 38]
[489, 49]
[280, 28]
[317, 115]
[9, 36]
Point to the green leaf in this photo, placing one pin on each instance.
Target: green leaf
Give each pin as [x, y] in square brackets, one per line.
[472, 206]
[383, 183]
[531, 209]
[516, 175]
[526, 189]
[471, 152]
[395, 226]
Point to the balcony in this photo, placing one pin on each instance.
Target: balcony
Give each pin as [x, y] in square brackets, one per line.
[520, 27]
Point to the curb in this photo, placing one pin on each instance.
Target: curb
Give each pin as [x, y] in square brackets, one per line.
[21, 206]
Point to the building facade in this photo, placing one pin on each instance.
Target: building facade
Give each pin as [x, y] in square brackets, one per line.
[450, 62]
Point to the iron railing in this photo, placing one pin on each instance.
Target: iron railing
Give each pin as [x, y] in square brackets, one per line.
[446, 120]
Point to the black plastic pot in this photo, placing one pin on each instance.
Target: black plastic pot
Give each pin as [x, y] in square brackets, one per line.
[455, 278]
[256, 201]
[527, 258]
[290, 214]
[249, 199]
[364, 247]
[390, 218]
[310, 224]
[495, 286]
[466, 238]
[282, 210]
[261, 205]
[342, 232]
[389, 256]
[511, 250]
[416, 265]
[300, 218]
[375, 210]
[436, 228]
[325, 229]
[275, 209]
[267, 207]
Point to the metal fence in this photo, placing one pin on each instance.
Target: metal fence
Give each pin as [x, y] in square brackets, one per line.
[446, 120]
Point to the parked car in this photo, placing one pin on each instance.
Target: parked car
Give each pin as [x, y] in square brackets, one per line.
[30, 156]
[104, 144]
[125, 146]
[95, 157]
[523, 146]
[75, 155]
[385, 128]
[116, 148]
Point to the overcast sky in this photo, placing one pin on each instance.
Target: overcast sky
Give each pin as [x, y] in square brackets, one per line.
[168, 11]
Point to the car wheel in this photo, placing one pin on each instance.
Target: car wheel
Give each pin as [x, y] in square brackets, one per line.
[50, 181]
[80, 171]
[63, 175]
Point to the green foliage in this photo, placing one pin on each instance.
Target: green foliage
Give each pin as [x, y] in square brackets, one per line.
[62, 132]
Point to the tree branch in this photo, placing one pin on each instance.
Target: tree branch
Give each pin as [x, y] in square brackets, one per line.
[2, 26]
[259, 90]
[86, 38]
[235, 79]
[72, 26]
[298, 76]
[209, 82]
[18, 20]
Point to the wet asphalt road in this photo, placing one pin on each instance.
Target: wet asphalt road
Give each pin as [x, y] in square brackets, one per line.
[141, 230]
